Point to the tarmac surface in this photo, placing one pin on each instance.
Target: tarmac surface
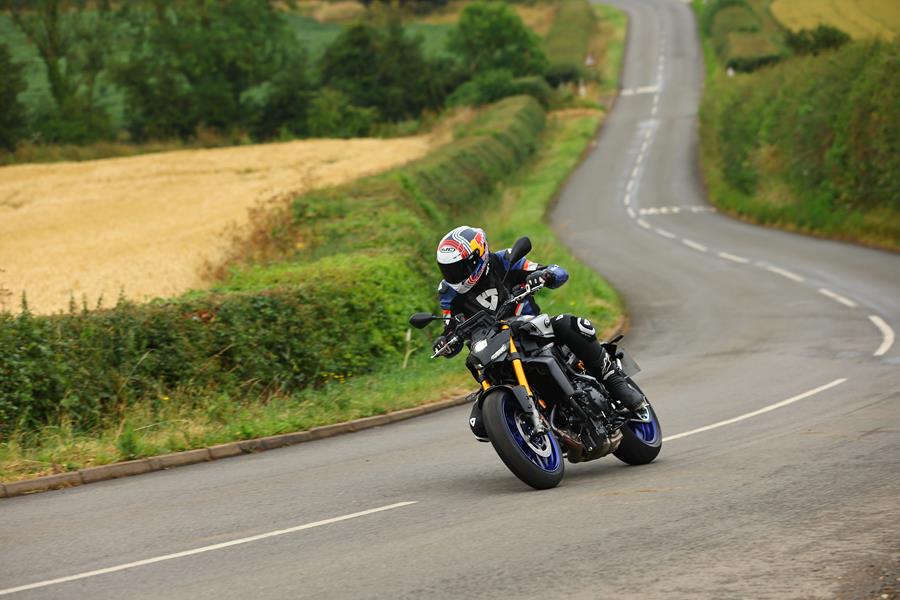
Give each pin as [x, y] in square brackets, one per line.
[779, 476]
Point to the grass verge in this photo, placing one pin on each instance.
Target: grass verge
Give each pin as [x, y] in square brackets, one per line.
[180, 420]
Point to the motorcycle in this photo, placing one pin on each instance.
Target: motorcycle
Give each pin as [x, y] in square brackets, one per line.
[537, 402]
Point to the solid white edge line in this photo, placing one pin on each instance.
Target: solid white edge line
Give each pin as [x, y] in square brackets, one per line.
[755, 413]
[156, 559]
[838, 298]
[734, 257]
[665, 233]
[784, 273]
[643, 223]
[694, 245]
[886, 332]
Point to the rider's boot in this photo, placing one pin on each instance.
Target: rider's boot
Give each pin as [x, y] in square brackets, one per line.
[616, 382]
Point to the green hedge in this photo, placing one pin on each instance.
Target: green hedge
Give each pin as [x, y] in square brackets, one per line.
[332, 306]
[813, 141]
[568, 41]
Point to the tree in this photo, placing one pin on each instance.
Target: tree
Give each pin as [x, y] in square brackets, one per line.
[383, 69]
[12, 112]
[73, 45]
[490, 36]
[193, 63]
[286, 105]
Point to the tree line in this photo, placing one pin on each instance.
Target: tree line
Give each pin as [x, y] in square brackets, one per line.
[236, 66]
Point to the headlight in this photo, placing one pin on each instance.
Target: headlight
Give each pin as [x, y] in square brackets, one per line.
[479, 345]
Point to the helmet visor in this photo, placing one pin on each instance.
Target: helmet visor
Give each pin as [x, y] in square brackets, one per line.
[459, 271]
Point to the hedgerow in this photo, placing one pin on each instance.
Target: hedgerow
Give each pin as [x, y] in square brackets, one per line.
[813, 142]
[568, 40]
[345, 267]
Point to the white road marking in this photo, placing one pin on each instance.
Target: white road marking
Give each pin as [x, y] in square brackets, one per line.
[640, 158]
[156, 559]
[634, 172]
[627, 198]
[631, 212]
[755, 413]
[694, 245]
[734, 257]
[784, 273]
[647, 89]
[643, 223]
[837, 297]
[675, 209]
[886, 332]
[630, 185]
[664, 233]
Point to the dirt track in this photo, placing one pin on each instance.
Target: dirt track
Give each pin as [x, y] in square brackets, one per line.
[144, 226]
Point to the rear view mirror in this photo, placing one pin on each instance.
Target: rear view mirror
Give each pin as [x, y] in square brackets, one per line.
[420, 320]
[519, 250]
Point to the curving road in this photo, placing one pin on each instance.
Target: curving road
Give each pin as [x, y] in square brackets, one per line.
[780, 477]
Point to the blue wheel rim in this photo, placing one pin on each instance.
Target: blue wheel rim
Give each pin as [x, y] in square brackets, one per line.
[545, 463]
[648, 433]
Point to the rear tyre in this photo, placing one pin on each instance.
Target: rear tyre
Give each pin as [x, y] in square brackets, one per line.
[536, 460]
[641, 440]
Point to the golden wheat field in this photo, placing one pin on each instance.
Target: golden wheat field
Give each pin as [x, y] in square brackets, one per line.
[859, 18]
[145, 226]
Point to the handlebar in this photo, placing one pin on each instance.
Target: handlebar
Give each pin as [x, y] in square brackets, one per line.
[528, 291]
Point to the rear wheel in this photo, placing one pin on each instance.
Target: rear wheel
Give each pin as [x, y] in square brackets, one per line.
[535, 459]
[641, 439]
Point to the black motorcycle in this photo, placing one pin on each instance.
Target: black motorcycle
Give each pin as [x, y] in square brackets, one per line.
[537, 402]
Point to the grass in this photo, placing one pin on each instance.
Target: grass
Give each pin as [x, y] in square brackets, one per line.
[608, 45]
[183, 421]
[859, 18]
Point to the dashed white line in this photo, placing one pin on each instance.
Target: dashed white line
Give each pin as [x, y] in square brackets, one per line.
[838, 298]
[156, 559]
[630, 185]
[643, 223]
[627, 198]
[664, 233]
[631, 212]
[640, 158]
[886, 332]
[755, 413]
[784, 273]
[734, 258]
[694, 245]
[634, 172]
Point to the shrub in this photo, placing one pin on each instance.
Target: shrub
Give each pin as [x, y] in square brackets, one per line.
[813, 41]
[331, 114]
[568, 41]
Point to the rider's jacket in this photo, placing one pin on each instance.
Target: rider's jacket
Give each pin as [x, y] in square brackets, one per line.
[492, 291]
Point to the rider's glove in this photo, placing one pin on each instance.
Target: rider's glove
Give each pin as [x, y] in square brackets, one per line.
[538, 277]
[441, 341]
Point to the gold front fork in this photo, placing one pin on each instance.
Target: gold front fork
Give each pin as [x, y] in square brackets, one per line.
[517, 366]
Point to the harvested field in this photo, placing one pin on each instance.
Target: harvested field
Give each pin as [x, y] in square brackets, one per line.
[859, 18]
[145, 226]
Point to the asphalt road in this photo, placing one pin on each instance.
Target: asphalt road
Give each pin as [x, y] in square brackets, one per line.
[792, 502]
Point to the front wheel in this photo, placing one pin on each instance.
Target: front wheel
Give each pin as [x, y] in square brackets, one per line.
[535, 459]
[641, 439]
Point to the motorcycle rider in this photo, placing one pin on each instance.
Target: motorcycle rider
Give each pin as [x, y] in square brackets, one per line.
[476, 279]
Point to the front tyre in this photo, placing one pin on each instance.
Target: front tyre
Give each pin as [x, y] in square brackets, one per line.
[641, 439]
[535, 459]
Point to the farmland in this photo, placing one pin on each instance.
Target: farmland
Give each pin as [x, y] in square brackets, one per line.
[145, 226]
[860, 18]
